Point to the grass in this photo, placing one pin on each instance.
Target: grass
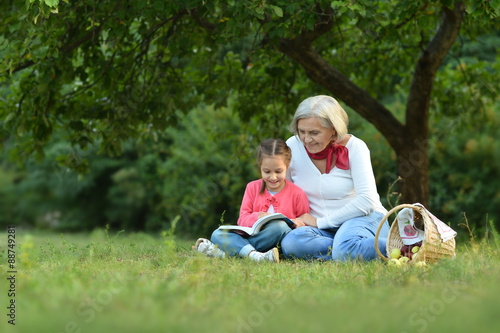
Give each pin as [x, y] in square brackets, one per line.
[142, 283]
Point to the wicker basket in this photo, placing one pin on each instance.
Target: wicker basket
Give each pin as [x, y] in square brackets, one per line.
[432, 248]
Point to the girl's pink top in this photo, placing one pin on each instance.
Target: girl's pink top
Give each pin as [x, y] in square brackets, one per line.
[291, 201]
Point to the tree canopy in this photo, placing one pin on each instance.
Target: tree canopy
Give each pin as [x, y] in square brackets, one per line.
[104, 71]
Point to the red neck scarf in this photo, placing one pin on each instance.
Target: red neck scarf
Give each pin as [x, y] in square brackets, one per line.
[341, 156]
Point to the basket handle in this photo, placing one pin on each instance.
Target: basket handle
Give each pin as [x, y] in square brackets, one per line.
[389, 213]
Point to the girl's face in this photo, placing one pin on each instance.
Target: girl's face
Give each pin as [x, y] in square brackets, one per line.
[314, 136]
[273, 170]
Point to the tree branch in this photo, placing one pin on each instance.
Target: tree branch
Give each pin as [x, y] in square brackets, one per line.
[209, 26]
[90, 35]
[417, 108]
[321, 72]
[79, 91]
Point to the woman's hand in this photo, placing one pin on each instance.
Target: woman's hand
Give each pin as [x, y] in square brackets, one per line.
[298, 223]
[262, 214]
[309, 220]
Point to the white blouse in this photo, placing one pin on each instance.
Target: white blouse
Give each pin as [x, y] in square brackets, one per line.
[342, 194]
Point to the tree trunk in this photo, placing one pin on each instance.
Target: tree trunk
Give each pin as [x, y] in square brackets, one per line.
[413, 158]
[413, 166]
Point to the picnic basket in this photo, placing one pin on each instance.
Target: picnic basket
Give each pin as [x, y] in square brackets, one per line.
[432, 249]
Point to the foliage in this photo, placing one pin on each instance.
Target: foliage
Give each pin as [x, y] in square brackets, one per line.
[82, 79]
[212, 161]
[197, 171]
[121, 192]
[105, 71]
[466, 170]
[101, 282]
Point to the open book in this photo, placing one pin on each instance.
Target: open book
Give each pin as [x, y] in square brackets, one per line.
[259, 224]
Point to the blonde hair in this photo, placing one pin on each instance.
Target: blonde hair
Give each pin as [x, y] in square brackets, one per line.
[327, 110]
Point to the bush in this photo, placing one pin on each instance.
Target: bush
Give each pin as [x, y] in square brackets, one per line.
[199, 171]
[212, 161]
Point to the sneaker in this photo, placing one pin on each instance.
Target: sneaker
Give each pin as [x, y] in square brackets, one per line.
[208, 248]
[271, 255]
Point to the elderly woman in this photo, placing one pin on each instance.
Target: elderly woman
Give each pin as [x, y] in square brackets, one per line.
[334, 170]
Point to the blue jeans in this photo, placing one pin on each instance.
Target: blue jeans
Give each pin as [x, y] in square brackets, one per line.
[355, 238]
[234, 244]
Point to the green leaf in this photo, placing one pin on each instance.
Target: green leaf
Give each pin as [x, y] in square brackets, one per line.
[3, 43]
[61, 159]
[336, 4]
[51, 3]
[10, 116]
[278, 11]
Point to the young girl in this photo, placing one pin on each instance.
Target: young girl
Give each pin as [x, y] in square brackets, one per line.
[270, 194]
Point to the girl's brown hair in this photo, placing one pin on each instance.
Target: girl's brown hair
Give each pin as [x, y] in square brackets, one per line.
[273, 147]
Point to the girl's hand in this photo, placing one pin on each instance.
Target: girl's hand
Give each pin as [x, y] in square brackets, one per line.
[309, 220]
[298, 223]
[262, 214]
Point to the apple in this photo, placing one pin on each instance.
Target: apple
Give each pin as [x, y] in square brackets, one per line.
[395, 253]
[404, 260]
[394, 262]
[415, 249]
[405, 251]
[420, 264]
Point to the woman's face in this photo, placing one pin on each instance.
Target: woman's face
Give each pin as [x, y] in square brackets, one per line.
[314, 136]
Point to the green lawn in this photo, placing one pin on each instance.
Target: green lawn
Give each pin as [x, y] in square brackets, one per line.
[140, 283]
